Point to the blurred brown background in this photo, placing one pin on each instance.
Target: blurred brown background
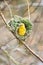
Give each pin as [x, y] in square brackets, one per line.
[35, 41]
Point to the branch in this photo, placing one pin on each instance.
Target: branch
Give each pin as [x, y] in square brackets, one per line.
[5, 5]
[23, 42]
[14, 61]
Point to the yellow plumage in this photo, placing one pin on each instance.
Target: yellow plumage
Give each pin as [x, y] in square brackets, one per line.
[22, 30]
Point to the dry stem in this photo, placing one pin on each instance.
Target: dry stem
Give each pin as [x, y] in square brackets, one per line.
[23, 41]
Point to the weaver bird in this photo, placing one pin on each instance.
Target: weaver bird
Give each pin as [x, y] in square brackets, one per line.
[22, 30]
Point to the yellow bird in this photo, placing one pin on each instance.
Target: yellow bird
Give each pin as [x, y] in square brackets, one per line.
[22, 30]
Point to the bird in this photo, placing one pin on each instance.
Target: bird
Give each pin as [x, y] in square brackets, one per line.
[22, 30]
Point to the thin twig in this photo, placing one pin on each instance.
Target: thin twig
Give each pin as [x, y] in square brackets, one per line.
[8, 8]
[28, 10]
[24, 43]
[1, 14]
[36, 55]
[5, 5]
[14, 38]
[14, 61]
[34, 9]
